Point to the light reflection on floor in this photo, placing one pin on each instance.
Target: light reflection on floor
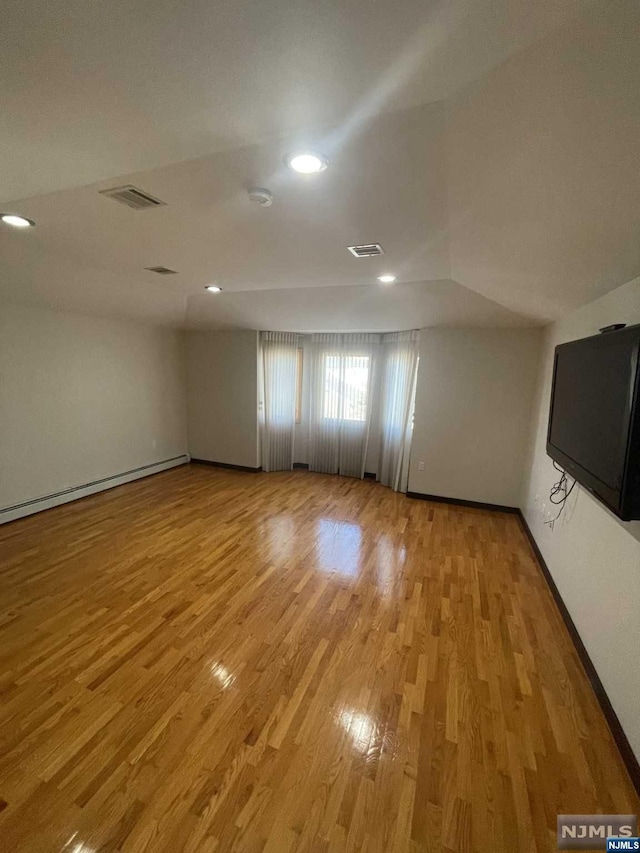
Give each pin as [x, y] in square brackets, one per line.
[280, 536]
[338, 546]
[359, 726]
[390, 560]
[222, 675]
[73, 846]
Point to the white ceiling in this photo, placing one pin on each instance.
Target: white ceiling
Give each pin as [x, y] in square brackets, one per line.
[387, 185]
[481, 143]
[347, 309]
[92, 90]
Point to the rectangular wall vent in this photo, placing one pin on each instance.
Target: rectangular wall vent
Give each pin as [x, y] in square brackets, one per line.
[367, 251]
[162, 270]
[133, 197]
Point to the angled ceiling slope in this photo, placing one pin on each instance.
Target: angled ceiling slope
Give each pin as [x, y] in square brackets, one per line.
[543, 154]
[94, 90]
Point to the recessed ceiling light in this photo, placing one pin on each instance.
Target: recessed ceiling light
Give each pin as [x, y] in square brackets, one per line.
[306, 162]
[16, 221]
[387, 278]
[213, 288]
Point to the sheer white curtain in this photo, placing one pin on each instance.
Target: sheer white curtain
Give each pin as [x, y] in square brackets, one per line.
[278, 416]
[341, 374]
[399, 365]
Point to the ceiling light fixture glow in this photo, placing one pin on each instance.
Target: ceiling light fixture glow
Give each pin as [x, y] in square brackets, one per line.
[16, 221]
[306, 162]
[213, 288]
[387, 278]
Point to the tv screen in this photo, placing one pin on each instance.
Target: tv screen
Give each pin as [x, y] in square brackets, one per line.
[593, 422]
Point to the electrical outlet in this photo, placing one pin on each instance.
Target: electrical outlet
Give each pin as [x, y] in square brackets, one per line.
[153, 443]
[420, 466]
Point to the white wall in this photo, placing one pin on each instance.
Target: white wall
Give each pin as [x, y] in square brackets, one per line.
[594, 558]
[83, 398]
[474, 402]
[222, 396]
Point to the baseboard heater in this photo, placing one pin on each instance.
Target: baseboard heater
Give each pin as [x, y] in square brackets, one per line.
[11, 513]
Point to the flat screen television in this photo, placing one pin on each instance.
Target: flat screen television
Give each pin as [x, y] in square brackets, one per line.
[594, 419]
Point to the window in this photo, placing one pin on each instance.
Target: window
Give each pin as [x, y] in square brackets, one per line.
[299, 366]
[346, 387]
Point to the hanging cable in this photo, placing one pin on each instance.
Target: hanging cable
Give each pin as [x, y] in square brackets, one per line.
[559, 489]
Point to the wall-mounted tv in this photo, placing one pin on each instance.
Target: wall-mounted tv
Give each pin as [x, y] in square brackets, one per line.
[594, 420]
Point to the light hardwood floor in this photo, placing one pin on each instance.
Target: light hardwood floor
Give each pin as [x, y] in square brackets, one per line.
[211, 660]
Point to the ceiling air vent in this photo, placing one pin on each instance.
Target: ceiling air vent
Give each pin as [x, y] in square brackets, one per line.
[133, 197]
[367, 251]
[162, 270]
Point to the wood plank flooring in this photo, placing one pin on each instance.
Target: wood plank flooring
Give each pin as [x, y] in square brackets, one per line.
[208, 660]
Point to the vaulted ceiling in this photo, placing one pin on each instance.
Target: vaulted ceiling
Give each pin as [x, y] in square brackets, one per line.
[491, 147]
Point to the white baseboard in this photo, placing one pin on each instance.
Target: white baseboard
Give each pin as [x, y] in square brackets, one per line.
[11, 513]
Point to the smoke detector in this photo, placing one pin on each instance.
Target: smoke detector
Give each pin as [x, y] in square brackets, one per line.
[261, 196]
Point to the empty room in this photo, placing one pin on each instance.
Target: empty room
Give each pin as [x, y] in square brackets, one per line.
[320, 426]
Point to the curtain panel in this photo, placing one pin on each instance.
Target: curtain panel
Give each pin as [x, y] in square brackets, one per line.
[279, 364]
[342, 377]
[397, 390]
[353, 378]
